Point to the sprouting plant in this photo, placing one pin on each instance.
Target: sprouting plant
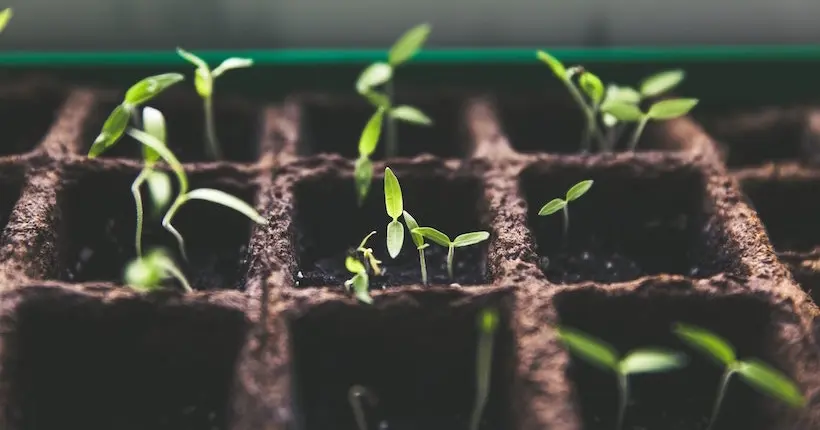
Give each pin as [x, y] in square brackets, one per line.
[355, 395]
[604, 356]
[5, 17]
[753, 371]
[147, 273]
[204, 82]
[394, 204]
[460, 241]
[662, 110]
[139, 94]
[487, 324]
[418, 240]
[554, 205]
[368, 257]
[360, 282]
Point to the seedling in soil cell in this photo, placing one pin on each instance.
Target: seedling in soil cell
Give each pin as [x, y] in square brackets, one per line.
[360, 282]
[148, 273]
[355, 396]
[204, 82]
[418, 240]
[604, 356]
[395, 207]
[662, 110]
[754, 372]
[460, 241]
[557, 204]
[367, 255]
[487, 325]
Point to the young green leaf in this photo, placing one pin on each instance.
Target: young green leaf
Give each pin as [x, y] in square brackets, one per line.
[649, 360]
[227, 200]
[770, 382]
[592, 86]
[662, 82]
[147, 273]
[193, 59]
[595, 351]
[706, 342]
[395, 238]
[615, 93]
[668, 109]
[552, 207]
[370, 134]
[113, 129]
[154, 124]
[434, 235]
[553, 63]
[410, 114]
[468, 239]
[160, 190]
[150, 87]
[232, 64]
[361, 288]
[366, 238]
[374, 75]
[412, 225]
[363, 177]
[354, 266]
[204, 83]
[5, 16]
[622, 111]
[408, 44]
[579, 190]
[392, 194]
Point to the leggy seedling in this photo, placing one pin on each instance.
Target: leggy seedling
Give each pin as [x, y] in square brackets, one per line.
[204, 82]
[147, 273]
[418, 240]
[662, 110]
[755, 372]
[460, 241]
[554, 205]
[394, 204]
[604, 356]
[487, 325]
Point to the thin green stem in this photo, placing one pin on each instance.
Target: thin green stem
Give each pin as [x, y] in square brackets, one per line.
[450, 261]
[636, 136]
[176, 273]
[166, 223]
[392, 145]
[566, 224]
[484, 360]
[210, 130]
[423, 264]
[135, 190]
[724, 382]
[591, 129]
[623, 386]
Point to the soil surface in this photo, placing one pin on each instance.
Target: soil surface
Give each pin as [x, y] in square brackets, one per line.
[26, 117]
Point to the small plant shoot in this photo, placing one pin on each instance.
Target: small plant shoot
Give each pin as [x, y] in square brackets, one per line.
[604, 356]
[756, 373]
[418, 240]
[204, 79]
[368, 257]
[149, 272]
[557, 204]
[461, 241]
[395, 207]
[662, 110]
[360, 282]
[487, 325]
[354, 396]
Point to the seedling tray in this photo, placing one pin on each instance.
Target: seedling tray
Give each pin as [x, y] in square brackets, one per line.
[676, 231]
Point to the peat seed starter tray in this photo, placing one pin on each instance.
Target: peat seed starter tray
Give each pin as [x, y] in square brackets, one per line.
[270, 340]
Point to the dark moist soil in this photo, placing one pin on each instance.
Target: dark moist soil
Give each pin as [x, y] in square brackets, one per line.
[10, 188]
[99, 221]
[238, 126]
[419, 360]
[681, 400]
[627, 225]
[80, 362]
[26, 118]
[330, 224]
[334, 125]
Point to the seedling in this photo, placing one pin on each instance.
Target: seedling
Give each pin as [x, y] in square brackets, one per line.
[360, 282]
[487, 325]
[662, 110]
[460, 241]
[604, 356]
[204, 82]
[355, 395]
[756, 373]
[5, 17]
[557, 204]
[368, 257]
[418, 240]
[395, 207]
[149, 272]
[660, 83]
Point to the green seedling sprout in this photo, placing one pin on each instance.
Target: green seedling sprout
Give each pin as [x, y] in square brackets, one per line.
[460, 241]
[147, 273]
[487, 325]
[204, 82]
[756, 373]
[662, 110]
[604, 356]
[418, 240]
[360, 282]
[395, 207]
[5, 17]
[367, 255]
[117, 122]
[355, 395]
[554, 205]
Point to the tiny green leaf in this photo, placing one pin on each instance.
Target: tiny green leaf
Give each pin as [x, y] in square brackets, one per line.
[374, 75]
[434, 235]
[668, 109]
[141, 275]
[366, 238]
[227, 200]
[411, 225]
[594, 351]
[392, 194]
[204, 83]
[159, 188]
[113, 128]
[706, 342]
[370, 134]
[468, 239]
[552, 207]
[354, 266]
[626, 112]
[615, 93]
[150, 87]
[771, 382]
[592, 86]
[363, 176]
[361, 287]
[408, 44]
[193, 59]
[579, 190]
[232, 64]
[410, 114]
[154, 123]
[395, 238]
[662, 82]
[553, 63]
[651, 360]
[5, 16]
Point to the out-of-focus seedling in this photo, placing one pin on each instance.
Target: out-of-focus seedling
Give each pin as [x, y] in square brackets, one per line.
[355, 395]
[368, 257]
[487, 325]
[147, 273]
[418, 240]
[662, 110]
[360, 282]
[204, 82]
[557, 204]
[5, 17]
[661, 82]
[395, 207]
[756, 373]
[604, 356]
[460, 241]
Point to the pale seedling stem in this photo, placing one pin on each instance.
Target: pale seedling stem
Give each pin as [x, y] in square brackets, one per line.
[554, 205]
[418, 240]
[487, 324]
[460, 241]
[135, 191]
[210, 129]
[636, 135]
[354, 396]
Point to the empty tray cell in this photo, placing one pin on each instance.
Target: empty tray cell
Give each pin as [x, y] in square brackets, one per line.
[330, 224]
[80, 362]
[789, 208]
[632, 222]
[238, 127]
[26, 116]
[678, 400]
[98, 225]
[11, 183]
[419, 360]
[334, 125]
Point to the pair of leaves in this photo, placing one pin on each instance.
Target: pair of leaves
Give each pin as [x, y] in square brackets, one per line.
[148, 272]
[460, 241]
[204, 76]
[407, 46]
[395, 208]
[662, 110]
[574, 193]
